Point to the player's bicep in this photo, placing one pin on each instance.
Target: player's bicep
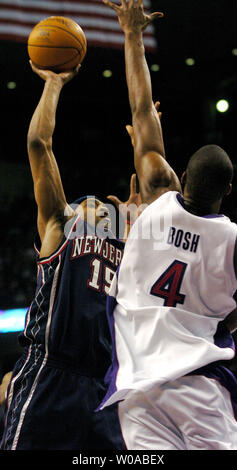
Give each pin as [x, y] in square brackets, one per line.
[154, 173]
[155, 177]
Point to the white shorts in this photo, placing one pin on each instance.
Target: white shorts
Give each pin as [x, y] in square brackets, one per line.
[191, 413]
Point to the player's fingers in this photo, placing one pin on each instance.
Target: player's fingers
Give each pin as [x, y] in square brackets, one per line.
[77, 68]
[157, 105]
[70, 74]
[111, 5]
[133, 186]
[32, 66]
[116, 201]
[67, 76]
[129, 130]
[150, 18]
[41, 73]
[156, 14]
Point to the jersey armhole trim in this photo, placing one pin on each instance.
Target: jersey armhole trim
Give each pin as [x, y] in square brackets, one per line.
[63, 244]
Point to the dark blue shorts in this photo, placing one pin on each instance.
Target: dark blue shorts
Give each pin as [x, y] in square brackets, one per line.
[52, 406]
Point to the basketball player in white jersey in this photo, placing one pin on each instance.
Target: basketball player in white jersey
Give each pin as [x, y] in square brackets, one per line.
[170, 301]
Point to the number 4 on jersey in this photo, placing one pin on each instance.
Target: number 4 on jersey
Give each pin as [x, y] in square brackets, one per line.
[169, 284]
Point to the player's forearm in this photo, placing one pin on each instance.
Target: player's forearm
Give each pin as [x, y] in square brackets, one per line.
[48, 188]
[146, 122]
[137, 73]
[43, 121]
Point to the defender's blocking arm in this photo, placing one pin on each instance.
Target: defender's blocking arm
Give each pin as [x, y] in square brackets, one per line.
[154, 173]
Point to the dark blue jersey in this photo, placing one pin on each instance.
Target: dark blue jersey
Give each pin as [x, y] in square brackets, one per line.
[67, 318]
[58, 382]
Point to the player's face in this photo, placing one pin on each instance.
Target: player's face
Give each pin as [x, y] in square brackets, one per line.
[96, 211]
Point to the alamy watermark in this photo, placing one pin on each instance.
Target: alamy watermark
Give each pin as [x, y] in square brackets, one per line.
[104, 221]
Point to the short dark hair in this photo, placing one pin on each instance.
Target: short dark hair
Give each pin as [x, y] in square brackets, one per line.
[209, 174]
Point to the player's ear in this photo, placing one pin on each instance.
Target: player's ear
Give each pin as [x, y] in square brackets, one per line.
[183, 177]
[229, 190]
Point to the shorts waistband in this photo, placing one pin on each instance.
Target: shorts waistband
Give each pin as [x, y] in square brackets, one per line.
[59, 362]
[63, 364]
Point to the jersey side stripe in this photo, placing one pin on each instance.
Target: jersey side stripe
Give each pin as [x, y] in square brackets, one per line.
[25, 407]
[10, 395]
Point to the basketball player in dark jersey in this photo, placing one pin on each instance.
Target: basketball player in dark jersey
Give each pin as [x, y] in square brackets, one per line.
[58, 382]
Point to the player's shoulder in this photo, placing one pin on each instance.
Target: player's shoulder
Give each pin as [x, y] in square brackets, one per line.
[166, 196]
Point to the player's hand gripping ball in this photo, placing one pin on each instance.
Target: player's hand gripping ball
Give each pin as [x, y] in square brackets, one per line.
[57, 43]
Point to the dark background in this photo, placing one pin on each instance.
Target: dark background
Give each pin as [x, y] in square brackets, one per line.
[90, 141]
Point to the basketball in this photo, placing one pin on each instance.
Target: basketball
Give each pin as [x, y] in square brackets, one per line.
[57, 43]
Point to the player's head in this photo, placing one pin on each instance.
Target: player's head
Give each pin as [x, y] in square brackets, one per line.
[94, 211]
[208, 175]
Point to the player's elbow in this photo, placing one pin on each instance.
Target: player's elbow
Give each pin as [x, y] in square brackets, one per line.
[141, 109]
[37, 144]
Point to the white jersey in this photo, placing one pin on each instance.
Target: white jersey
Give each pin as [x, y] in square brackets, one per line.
[175, 284]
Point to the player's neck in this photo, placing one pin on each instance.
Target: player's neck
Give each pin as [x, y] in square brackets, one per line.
[200, 208]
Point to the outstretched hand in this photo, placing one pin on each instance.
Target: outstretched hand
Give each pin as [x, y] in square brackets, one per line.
[131, 15]
[63, 76]
[132, 208]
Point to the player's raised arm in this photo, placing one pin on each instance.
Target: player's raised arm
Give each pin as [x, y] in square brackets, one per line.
[154, 173]
[48, 189]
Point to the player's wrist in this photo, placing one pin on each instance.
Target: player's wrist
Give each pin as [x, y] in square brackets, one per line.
[54, 82]
[133, 34]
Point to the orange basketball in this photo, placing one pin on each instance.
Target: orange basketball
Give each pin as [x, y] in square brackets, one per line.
[57, 44]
